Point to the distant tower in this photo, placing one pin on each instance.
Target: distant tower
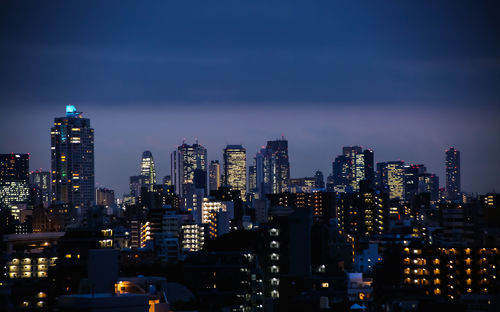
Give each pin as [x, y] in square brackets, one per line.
[148, 170]
[214, 175]
[319, 180]
[184, 163]
[280, 165]
[14, 189]
[72, 151]
[452, 174]
[41, 180]
[14, 167]
[352, 167]
[391, 177]
[235, 168]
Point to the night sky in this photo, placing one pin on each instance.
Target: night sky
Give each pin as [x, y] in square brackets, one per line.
[405, 78]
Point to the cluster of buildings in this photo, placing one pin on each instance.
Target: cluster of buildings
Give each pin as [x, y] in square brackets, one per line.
[223, 236]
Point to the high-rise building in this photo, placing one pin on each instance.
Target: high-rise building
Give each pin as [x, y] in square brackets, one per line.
[14, 167]
[263, 172]
[14, 189]
[148, 171]
[135, 185]
[412, 173]
[452, 174]
[214, 175]
[184, 161]
[352, 167]
[72, 152]
[369, 167]
[320, 180]
[340, 174]
[429, 183]
[41, 180]
[391, 178]
[280, 165]
[235, 168]
[105, 197]
[252, 178]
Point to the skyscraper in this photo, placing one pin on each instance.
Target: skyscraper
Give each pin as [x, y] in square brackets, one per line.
[214, 175]
[352, 167]
[72, 152]
[14, 189]
[184, 161]
[14, 167]
[411, 181]
[429, 183]
[320, 180]
[263, 172]
[252, 178]
[452, 174]
[148, 170]
[280, 165]
[41, 180]
[235, 168]
[391, 177]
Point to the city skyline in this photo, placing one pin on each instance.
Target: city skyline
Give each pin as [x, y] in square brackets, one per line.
[297, 168]
[339, 74]
[249, 155]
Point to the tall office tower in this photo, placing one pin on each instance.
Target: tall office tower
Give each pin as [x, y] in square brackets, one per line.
[369, 167]
[214, 175]
[319, 180]
[72, 152]
[330, 183]
[263, 172]
[391, 178]
[356, 165]
[340, 174]
[148, 170]
[41, 180]
[14, 189]
[135, 185]
[452, 174]
[352, 167]
[235, 168]
[429, 183]
[412, 173]
[252, 178]
[105, 197]
[280, 165]
[184, 161]
[14, 167]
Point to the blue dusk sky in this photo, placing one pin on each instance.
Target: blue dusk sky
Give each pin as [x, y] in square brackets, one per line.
[407, 79]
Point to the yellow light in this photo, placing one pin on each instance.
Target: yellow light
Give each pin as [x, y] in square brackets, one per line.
[68, 256]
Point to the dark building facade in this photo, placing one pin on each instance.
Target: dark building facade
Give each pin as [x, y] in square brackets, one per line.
[72, 154]
[452, 174]
[280, 165]
[14, 167]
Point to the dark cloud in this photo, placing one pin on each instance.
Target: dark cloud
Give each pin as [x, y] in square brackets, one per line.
[405, 78]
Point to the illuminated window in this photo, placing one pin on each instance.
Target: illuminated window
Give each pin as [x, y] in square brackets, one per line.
[324, 285]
